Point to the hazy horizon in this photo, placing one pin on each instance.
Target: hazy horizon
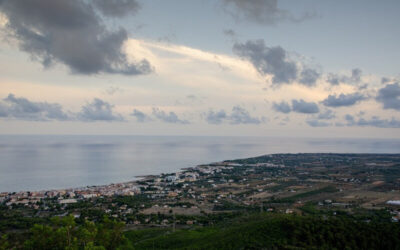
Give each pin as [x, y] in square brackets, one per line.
[40, 162]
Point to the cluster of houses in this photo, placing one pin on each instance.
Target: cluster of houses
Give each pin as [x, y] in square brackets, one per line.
[204, 185]
[159, 189]
[67, 196]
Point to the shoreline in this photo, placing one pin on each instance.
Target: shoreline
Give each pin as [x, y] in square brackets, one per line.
[133, 184]
[142, 177]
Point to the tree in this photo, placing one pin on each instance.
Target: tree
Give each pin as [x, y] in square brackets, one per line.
[4, 244]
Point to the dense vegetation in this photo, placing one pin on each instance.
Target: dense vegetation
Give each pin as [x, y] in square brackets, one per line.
[65, 233]
[281, 232]
[256, 231]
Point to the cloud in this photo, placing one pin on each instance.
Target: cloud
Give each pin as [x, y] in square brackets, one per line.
[262, 11]
[170, 117]
[389, 96]
[309, 77]
[327, 115]
[113, 89]
[239, 115]
[140, 116]
[333, 79]
[374, 122]
[343, 100]
[363, 86]
[22, 108]
[72, 33]
[282, 107]
[385, 80]
[98, 110]
[229, 33]
[356, 75]
[301, 106]
[336, 79]
[268, 60]
[216, 117]
[321, 119]
[117, 8]
[317, 123]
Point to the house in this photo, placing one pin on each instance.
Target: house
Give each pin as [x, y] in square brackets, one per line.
[67, 201]
[393, 202]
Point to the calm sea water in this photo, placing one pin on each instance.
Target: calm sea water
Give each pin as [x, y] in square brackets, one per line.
[47, 162]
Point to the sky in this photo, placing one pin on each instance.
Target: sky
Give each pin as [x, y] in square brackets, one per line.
[304, 68]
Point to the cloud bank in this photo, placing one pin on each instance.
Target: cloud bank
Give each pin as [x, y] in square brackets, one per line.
[343, 100]
[98, 110]
[24, 109]
[239, 115]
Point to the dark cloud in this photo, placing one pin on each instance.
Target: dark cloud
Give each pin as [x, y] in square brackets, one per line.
[343, 100]
[282, 107]
[22, 108]
[117, 8]
[239, 115]
[216, 117]
[98, 110]
[356, 75]
[301, 106]
[373, 122]
[389, 96]
[140, 116]
[309, 77]
[268, 60]
[170, 117]
[72, 33]
[335, 79]
[262, 11]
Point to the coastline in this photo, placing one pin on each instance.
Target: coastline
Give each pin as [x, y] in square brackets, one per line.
[186, 176]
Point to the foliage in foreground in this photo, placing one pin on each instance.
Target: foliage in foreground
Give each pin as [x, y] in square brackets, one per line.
[64, 233]
[282, 232]
[257, 231]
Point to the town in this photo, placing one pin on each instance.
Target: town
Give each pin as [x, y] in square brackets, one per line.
[366, 184]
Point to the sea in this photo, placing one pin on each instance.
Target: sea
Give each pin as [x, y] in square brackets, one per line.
[45, 162]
